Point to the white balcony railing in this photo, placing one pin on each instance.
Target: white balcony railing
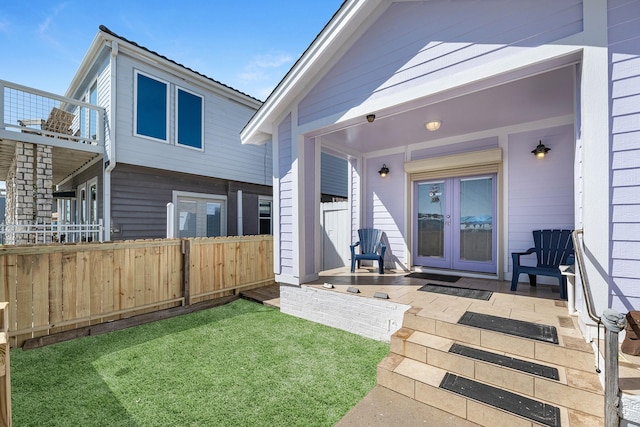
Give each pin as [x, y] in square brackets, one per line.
[29, 234]
[34, 112]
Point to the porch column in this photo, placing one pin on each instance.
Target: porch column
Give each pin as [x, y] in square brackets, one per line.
[29, 191]
[43, 179]
[308, 224]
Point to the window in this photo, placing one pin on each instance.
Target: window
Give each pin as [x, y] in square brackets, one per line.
[264, 216]
[93, 114]
[200, 215]
[151, 107]
[189, 119]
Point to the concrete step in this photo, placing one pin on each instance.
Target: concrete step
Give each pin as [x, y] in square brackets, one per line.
[574, 389]
[570, 352]
[424, 383]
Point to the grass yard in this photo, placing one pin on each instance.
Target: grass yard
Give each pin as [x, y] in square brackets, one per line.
[241, 364]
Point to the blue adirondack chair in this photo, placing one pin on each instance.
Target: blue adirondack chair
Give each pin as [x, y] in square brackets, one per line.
[370, 243]
[552, 248]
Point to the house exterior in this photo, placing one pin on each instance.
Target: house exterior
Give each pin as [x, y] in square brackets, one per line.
[170, 162]
[172, 137]
[453, 98]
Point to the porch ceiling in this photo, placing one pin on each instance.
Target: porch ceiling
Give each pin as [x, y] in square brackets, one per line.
[65, 161]
[538, 97]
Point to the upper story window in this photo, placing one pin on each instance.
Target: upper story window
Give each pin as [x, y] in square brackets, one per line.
[151, 106]
[189, 119]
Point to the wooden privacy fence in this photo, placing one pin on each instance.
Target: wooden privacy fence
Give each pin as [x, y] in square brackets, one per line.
[56, 288]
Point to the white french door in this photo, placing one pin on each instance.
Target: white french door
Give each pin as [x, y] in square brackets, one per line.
[453, 223]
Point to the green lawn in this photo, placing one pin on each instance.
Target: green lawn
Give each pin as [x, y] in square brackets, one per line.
[241, 364]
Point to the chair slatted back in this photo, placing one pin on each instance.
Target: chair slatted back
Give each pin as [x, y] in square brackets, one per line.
[553, 247]
[369, 240]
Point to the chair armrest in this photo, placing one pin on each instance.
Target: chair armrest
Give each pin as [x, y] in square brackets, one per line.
[515, 256]
[528, 252]
[354, 245]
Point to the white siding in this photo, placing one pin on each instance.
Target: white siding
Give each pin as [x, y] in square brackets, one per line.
[285, 175]
[385, 205]
[540, 190]
[416, 43]
[624, 68]
[104, 99]
[223, 157]
[334, 176]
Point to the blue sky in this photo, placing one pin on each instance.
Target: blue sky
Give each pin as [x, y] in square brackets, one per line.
[248, 45]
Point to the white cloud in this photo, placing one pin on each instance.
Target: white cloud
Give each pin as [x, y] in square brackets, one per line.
[43, 28]
[263, 73]
[4, 26]
[274, 60]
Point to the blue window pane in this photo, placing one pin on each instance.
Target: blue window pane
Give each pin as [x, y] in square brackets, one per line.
[151, 108]
[189, 119]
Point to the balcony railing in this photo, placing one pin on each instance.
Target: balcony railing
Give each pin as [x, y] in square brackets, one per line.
[30, 234]
[34, 112]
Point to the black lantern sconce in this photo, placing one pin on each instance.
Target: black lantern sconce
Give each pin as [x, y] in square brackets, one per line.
[384, 171]
[371, 118]
[540, 151]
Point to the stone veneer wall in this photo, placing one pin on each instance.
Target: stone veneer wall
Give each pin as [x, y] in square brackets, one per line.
[369, 317]
[29, 190]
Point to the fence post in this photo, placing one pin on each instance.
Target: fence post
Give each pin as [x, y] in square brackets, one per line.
[186, 270]
[614, 322]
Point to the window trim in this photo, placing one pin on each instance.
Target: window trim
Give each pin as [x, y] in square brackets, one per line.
[136, 73]
[200, 197]
[177, 122]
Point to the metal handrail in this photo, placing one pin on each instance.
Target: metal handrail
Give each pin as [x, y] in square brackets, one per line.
[614, 323]
[586, 288]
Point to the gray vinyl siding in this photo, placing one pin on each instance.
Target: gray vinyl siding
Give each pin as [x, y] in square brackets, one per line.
[413, 44]
[624, 69]
[223, 155]
[285, 175]
[139, 198]
[334, 176]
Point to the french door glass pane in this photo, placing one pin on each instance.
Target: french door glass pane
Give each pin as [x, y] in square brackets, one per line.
[476, 219]
[431, 219]
[187, 214]
[213, 219]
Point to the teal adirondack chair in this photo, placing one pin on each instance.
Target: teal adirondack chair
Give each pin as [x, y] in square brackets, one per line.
[371, 248]
[553, 248]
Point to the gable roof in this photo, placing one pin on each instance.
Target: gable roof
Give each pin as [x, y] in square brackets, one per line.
[335, 34]
[104, 31]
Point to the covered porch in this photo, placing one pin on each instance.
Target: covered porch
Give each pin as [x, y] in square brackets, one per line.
[45, 139]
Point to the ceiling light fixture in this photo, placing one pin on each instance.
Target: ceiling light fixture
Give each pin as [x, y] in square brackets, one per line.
[371, 118]
[433, 125]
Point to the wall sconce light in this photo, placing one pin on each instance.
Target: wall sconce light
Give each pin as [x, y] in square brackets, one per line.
[541, 150]
[433, 125]
[384, 170]
[371, 118]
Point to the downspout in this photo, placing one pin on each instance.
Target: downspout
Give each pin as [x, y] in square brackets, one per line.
[110, 164]
[240, 230]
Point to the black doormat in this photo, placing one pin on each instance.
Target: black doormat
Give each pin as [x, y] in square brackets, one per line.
[457, 292]
[538, 412]
[431, 276]
[534, 331]
[506, 361]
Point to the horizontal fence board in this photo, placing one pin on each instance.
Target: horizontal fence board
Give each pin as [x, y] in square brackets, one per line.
[61, 287]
